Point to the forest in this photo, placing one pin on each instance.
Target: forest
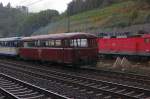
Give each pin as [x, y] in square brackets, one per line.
[19, 22]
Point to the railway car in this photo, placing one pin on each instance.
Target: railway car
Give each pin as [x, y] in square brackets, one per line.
[9, 46]
[68, 48]
[135, 46]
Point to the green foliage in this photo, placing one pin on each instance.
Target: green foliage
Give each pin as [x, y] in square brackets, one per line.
[36, 20]
[117, 15]
[142, 1]
[18, 22]
[10, 19]
[78, 6]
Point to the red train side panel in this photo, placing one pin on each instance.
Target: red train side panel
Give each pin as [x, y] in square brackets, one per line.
[131, 45]
[72, 48]
[29, 53]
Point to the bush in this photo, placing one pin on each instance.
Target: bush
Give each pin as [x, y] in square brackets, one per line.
[148, 18]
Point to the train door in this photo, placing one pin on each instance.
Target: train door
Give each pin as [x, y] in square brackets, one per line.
[59, 52]
[76, 50]
[147, 45]
[67, 51]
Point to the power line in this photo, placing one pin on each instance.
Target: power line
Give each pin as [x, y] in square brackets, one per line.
[33, 3]
[24, 1]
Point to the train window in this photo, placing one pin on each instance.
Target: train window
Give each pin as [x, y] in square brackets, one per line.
[79, 43]
[57, 42]
[66, 43]
[47, 43]
[93, 43]
[84, 43]
[25, 44]
[5, 43]
[71, 43]
[1, 43]
[31, 44]
[52, 43]
[37, 43]
[14, 44]
[43, 44]
[10, 44]
[75, 43]
[147, 40]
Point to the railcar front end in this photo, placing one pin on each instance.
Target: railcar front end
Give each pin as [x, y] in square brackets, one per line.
[9, 46]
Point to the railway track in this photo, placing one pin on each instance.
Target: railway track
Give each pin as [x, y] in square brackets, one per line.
[138, 80]
[143, 79]
[92, 87]
[12, 88]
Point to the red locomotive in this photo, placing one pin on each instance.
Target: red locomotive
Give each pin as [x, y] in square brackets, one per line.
[70, 48]
[136, 45]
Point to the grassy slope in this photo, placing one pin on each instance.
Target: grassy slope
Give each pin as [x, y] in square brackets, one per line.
[117, 15]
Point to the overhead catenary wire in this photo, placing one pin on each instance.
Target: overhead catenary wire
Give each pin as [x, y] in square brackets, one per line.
[24, 1]
[32, 3]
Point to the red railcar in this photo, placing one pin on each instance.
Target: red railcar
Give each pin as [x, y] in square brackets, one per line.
[138, 45]
[70, 48]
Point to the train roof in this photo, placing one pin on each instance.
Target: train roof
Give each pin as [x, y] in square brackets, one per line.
[146, 35]
[10, 39]
[60, 36]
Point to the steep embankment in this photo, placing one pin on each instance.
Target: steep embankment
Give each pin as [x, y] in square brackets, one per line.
[124, 16]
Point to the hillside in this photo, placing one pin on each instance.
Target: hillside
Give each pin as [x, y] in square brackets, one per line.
[10, 19]
[119, 16]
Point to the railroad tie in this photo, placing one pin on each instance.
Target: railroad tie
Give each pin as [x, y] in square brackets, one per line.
[120, 91]
[104, 87]
[13, 85]
[100, 85]
[37, 97]
[23, 92]
[83, 90]
[90, 92]
[99, 96]
[77, 88]
[147, 98]
[18, 90]
[108, 97]
[129, 93]
[27, 94]
[90, 84]
[112, 89]
[139, 95]
[2, 97]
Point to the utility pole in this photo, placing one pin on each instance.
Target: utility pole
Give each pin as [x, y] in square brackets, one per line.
[68, 20]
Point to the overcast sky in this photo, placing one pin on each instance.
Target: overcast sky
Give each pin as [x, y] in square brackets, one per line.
[37, 5]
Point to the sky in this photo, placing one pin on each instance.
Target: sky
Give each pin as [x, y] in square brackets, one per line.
[38, 5]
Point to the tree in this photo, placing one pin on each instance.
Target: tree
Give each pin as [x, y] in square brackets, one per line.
[78, 6]
[8, 5]
[1, 4]
[147, 1]
[36, 20]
